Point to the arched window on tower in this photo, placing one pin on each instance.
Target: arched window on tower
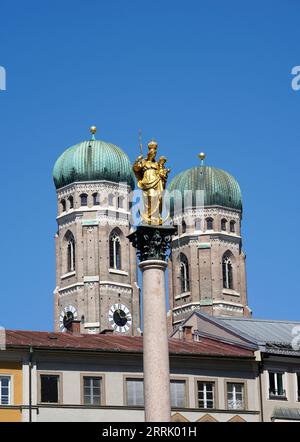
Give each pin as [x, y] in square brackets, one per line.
[71, 202]
[223, 224]
[115, 250]
[69, 238]
[63, 205]
[96, 199]
[183, 227]
[209, 224]
[227, 269]
[184, 274]
[120, 202]
[110, 199]
[83, 199]
[198, 224]
[232, 226]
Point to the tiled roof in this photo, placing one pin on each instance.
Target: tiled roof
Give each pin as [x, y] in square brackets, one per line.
[116, 343]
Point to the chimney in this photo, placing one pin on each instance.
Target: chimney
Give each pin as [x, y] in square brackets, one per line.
[187, 332]
[74, 327]
[107, 331]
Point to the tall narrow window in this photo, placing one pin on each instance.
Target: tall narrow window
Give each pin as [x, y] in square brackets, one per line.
[5, 390]
[197, 224]
[206, 394]
[96, 199]
[70, 252]
[63, 205]
[209, 224]
[298, 386]
[120, 202]
[276, 387]
[83, 199]
[178, 396]
[232, 226]
[49, 388]
[91, 390]
[183, 227]
[115, 251]
[223, 224]
[71, 202]
[135, 392]
[110, 199]
[227, 273]
[235, 396]
[184, 274]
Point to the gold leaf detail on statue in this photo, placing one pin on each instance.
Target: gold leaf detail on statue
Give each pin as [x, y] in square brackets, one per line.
[152, 177]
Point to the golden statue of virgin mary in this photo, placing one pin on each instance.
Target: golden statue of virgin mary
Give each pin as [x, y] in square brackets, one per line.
[152, 178]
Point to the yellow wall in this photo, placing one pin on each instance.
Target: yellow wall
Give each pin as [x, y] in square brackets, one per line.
[13, 369]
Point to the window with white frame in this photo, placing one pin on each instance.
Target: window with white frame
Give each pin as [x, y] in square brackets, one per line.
[235, 396]
[276, 385]
[135, 392]
[178, 395]
[5, 390]
[92, 390]
[206, 394]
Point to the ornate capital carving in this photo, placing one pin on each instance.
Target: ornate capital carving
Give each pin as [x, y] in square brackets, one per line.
[152, 242]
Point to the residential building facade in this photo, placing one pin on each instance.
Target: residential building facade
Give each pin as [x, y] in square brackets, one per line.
[76, 377]
[278, 356]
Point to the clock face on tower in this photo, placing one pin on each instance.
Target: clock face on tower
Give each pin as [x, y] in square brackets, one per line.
[67, 315]
[120, 318]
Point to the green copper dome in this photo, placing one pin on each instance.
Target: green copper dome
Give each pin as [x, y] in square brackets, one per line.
[92, 161]
[220, 188]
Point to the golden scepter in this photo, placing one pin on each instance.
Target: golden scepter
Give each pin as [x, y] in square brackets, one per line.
[140, 142]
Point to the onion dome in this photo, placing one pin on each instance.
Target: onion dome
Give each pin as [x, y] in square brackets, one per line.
[220, 188]
[93, 160]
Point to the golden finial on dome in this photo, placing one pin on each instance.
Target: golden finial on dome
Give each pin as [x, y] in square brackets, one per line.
[152, 144]
[202, 157]
[93, 130]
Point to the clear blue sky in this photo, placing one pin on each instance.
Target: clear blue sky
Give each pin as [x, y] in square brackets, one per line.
[196, 75]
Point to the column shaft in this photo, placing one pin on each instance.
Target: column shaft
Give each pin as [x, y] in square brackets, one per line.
[155, 337]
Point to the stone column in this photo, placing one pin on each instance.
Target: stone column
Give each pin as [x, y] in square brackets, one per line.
[152, 243]
[155, 351]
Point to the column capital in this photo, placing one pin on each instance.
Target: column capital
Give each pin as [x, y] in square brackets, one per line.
[153, 264]
[152, 242]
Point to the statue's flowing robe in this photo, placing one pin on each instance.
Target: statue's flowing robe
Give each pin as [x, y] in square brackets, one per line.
[152, 185]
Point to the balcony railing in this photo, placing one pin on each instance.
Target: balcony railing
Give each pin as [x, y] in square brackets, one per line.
[277, 394]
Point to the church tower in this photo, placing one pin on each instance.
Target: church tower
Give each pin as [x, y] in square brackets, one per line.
[96, 269]
[207, 263]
